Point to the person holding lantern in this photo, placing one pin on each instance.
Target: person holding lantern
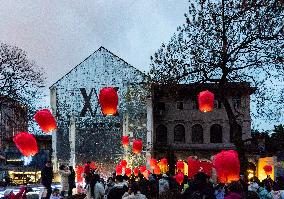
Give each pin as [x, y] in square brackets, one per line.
[64, 173]
[46, 178]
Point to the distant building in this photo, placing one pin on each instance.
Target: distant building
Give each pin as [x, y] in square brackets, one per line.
[180, 130]
[83, 133]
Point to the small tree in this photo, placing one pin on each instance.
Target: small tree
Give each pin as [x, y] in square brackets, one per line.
[226, 41]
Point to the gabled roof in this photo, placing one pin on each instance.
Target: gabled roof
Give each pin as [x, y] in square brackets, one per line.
[100, 49]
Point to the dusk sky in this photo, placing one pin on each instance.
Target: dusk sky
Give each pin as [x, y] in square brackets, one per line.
[59, 34]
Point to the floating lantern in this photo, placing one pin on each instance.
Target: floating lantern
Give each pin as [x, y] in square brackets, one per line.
[157, 170]
[153, 163]
[108, 100]
[45, 120]
[142, 168]
[137, 146]
[267, 169]
[26, 143]
[146, 174]
[180, 166]
[193, 166]
[136, 171]
[118, 169]
[227, 166]
[179, 178]
[128, 172]
[206, 167]
[164, 162]
[79, 172]
[93, 165]
[125, 141]
[123, 163]
[206, 101]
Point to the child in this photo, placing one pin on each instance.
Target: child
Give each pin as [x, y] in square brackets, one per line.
[55, 194]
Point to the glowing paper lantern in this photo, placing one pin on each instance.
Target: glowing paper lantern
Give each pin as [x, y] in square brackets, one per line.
[128, 172]
[118, 169]
[123, 163]
[157, 170]
[79, 172]
[26, 143]
[108, 100]
[180, 166]
[45, 120]
[125, 141]
[164, 162]
[136, 171]
[142, 168]
[267, 169]
[93, 165]
[146, 174]
[206, 167]
[193, 166]
[153, 163]
[227, 166]
[137, 146]
[179, 178]
[206, 101]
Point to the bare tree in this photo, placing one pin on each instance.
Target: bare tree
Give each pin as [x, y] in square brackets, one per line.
[20, 78]
[227, 41]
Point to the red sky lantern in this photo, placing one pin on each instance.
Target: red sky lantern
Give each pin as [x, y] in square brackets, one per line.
[93, 165]
[136, 171]
[227, 166]
[142, 168]
[179, 178]
[45, 120]
[79, 172]
[206, 101]
[180, 166]
[125, 141]
[123, 163]
[146, 174]
[157, 170]
[108, 100]
[164, 162]
[153, 163]
[118, 170]
[26, 143]
[128, 172]
[267, 169]
[137, 146]
[206, 167]
[193, 166]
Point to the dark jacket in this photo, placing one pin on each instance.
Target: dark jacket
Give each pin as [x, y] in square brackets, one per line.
[46, 176]
[117, 191]
[71, 180]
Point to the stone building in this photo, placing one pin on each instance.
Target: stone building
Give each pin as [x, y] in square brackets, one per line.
[83, 133]
[181, 130]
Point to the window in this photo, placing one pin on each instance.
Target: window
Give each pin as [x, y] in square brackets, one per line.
[160, 106]
[180, 105]
[161, 134]
[238, 134]
[195, 104]
[237, 102]
[216, 134]
[179, 133]
[197, 134]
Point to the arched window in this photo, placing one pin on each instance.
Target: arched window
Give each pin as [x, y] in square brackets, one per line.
[216, 134]
[197, 134]
[238, 134]
[161, 134]
[179, 133]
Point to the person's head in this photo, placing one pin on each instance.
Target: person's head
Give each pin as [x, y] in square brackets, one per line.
[235, 187]
[96, 178]
[119, 178]
[62, 167]
[200, 178]
[134, 187]
[88, 162]
[55, 192]
[48, 163]
[8, 193]
[110, 180]
[164, 176]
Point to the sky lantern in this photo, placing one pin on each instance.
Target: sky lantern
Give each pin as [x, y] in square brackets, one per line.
[146, 174]
[267, 169]
[179, 178]
[26, 143]
[123, 163]
[128, 172]
[206, 101]
[180, 166]
[93, 165]
[193, 166]
[164, 162]
[137, 146]
[142, 168]
[136, 171]
[157, 170]
[125, 141]
[45, 120]
[118, 170]
[79, 172]
[227, 166]
[206, 167]
[108, 100]
[153, 163]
